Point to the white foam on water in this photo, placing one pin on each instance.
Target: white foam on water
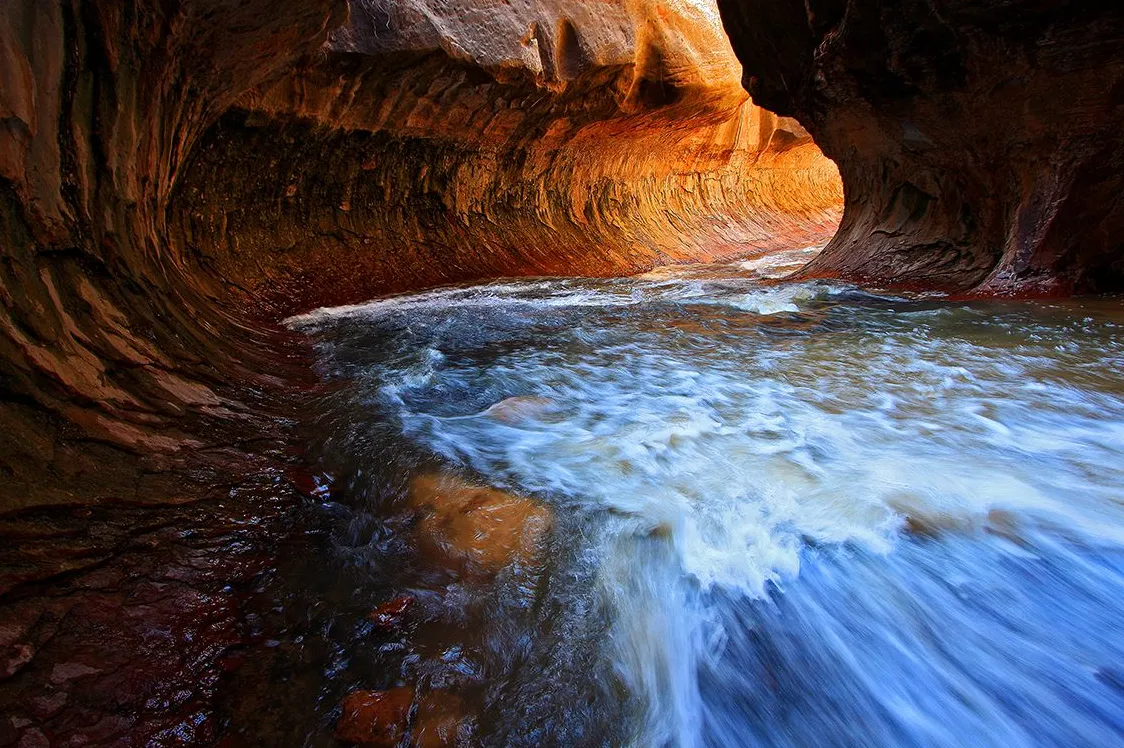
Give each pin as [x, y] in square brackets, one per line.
[780, 264]
[683, 283]
[716, 468]
[487, 296]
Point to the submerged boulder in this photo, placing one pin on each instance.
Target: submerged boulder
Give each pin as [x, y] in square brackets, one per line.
[382, 719]
[478, 529]
[375, 719]
[392, 614]
[514, 410]
[440, 720]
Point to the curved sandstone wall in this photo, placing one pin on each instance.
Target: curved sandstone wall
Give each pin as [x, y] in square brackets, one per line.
[122, 380]
[980, 143]
[431, 142]
[175, 177]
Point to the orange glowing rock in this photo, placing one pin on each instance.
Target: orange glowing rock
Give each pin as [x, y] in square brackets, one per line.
[478, 529]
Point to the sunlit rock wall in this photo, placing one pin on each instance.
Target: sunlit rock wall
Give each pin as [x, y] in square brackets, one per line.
[175, 176]
[440, 141]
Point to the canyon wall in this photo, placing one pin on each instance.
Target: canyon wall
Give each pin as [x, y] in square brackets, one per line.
[174, 178]
[122, 377]
[980, 143]
[433, 142]
[127, 388]
[419, 143]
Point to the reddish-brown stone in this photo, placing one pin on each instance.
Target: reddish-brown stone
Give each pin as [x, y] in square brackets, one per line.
[478, 529]
[127, 645]
[392, 614]
[440, 721]
[375, 719]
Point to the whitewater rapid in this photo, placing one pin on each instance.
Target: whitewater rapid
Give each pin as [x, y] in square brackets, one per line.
[788, 513]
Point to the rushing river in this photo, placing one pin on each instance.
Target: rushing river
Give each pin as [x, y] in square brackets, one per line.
[781, 514]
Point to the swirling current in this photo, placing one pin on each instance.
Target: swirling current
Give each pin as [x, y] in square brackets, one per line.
[779, 514]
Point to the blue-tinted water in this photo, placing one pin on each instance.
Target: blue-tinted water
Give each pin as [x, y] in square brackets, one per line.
[782, 514]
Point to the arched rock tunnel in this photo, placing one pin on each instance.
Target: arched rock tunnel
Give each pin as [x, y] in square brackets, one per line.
[177, 177]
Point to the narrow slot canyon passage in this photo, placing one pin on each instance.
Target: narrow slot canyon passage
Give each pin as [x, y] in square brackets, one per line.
[561, 372]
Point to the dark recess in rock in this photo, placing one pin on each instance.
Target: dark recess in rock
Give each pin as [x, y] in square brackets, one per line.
[980, 143]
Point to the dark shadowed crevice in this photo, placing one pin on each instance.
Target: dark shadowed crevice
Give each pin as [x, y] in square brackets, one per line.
[1003, 117]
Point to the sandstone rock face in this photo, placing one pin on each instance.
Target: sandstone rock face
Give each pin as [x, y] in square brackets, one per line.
[434, 141]
[173, 176]
[176, 175]
[979, 143]
[124, 377]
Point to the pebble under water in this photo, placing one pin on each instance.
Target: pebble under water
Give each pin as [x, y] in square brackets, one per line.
[780, 514]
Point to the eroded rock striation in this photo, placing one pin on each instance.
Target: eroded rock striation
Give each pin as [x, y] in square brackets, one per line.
[979, 143]
[117, 355]
[176, 176]
[432, 142]
[173, 176]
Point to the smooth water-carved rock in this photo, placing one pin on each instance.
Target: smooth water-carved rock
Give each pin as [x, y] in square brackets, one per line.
[478, 529]
[174, 177]
[521, 408]
[434, 142]
[980, 143]
[126, 375]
